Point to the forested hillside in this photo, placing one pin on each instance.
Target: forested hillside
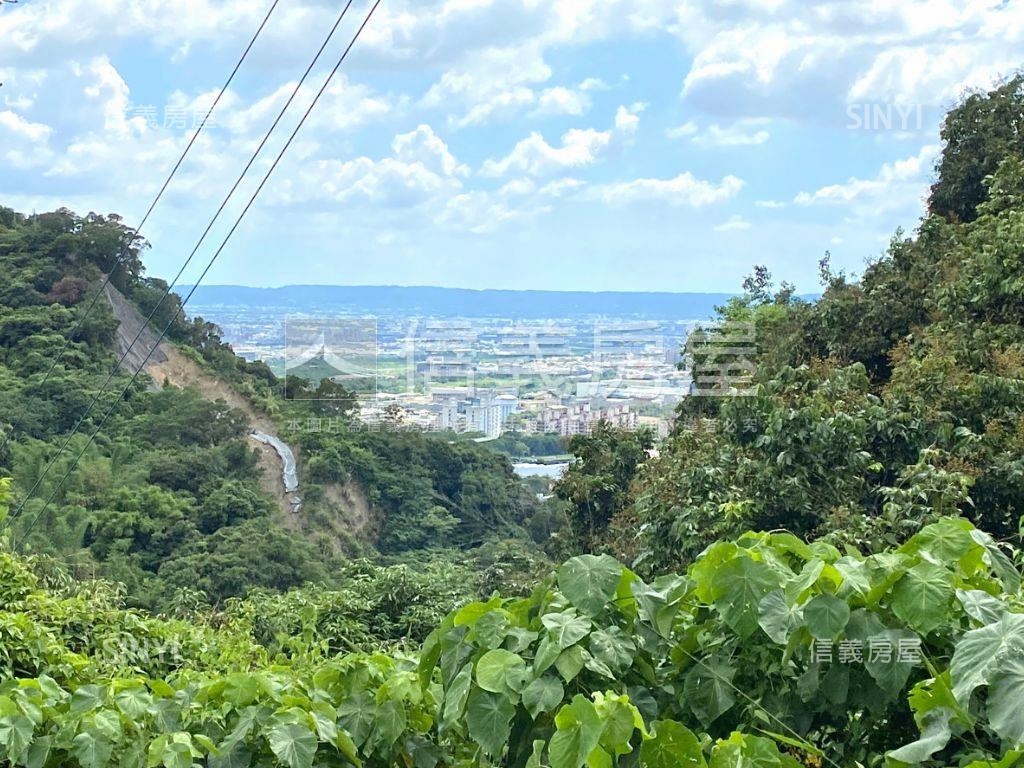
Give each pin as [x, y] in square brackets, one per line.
[167, 497]
[825, 571]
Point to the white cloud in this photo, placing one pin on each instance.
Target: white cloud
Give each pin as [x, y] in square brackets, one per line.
[518, 188]
[579, 148]
[477, 212]
[73, 81]
[15, 123]
[420, 170]
[685, 189]
[534, 156]
[342, 107]
[747, 132]
[785, 58]
[24, 144]
[561, 101]
[735, 223]
[561, 187]
[893, 181]
[780, 54]
[627, 119]
[743, 133]
[689, 128]
[425, 146]
[491, 83]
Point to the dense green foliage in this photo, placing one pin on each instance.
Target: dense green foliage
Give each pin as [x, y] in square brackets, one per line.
[889, 401]
[168, 498]
[430, 492]
[169, 483]
[874, 617]
[719, 667]
[598, 479]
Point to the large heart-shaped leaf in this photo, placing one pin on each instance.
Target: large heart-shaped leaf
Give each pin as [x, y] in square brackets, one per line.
[293, 744]
[488, 718]
[590, 581]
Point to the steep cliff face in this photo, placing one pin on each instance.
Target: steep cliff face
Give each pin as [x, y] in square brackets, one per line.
[132, 324]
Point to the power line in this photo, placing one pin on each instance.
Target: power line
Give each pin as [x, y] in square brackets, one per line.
[135, 233]
[170, 286]
[210, 264]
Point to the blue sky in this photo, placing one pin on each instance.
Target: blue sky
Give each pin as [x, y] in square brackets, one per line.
[562, 144]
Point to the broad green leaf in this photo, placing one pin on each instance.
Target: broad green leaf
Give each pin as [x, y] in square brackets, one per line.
[1012, 759]
[598, 666]
[488, 718]
[242, 689]
[981, 606]
[325, 719]
[177, 754]
[578, 734]
[934, 736]
[659, 603]
[567, 628]
[777, 618]
[91, 751]
[739, 587]
[456, 695]
[620, 719]
[293, 744]
[883, 569]
[134, 702]
[855, 577]
[1005, 702]
[981, 652]
[742, 750]
[38, 754]
[87, 697]
[236, 756]
[107, 723]
[499, 671]
[357, 713]
[455, 651]
[599, 758]
[537, 754]
[15, 734]
[922, 597]
[570, 662]
[708, 564]
[389, 723]
[672, 745]
[944, 541]
[471, 613]
[933, 694]
[491, 629]
[348, 748]
[882, 658]
[796, 586]
[826, 616]
[613, 647]
[708, 689]
[1001, 565]
[590, 581]
[547, 653]
[543, 694]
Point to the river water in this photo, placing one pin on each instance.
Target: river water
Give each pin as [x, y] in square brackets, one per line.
[527, 469]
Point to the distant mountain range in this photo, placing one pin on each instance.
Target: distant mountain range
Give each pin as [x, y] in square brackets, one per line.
[462, 302]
